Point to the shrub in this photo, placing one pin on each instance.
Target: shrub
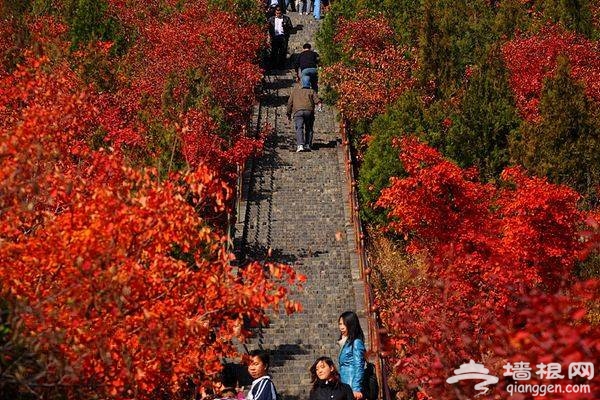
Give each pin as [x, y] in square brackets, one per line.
[380, 160]
[486, 117]
[564, 145]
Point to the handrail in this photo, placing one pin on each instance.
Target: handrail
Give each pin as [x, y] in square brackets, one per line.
[249, 131]
[365, 270]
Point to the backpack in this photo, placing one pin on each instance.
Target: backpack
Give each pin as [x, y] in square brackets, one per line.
[370, 386]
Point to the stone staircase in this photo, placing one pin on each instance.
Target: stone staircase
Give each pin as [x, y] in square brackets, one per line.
[296, 205]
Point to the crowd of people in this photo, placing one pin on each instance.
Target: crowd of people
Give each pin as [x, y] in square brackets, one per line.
[329, 382]
[303, 99]
[304, 7]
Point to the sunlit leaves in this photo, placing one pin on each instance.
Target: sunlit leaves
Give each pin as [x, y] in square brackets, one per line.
[115, 273]
[376, 72]
[491, 252]
[533, 58]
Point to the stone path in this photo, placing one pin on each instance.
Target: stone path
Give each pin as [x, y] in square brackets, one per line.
[296, 204]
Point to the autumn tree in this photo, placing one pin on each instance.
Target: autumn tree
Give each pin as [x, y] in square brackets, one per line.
[491, 252]
[533, 58]
[115, 278]
[376, 72]
[564, 145]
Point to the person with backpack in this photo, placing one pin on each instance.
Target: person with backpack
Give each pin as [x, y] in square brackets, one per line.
[326, 382]
[352, 352]
[262, 387]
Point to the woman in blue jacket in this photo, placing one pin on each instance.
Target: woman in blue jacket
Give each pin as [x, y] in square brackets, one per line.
[352, 352]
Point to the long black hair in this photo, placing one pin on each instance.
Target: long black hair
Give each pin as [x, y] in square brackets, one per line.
[352, 324]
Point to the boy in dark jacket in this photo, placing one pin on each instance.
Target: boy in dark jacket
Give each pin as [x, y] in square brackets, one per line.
[306, 64]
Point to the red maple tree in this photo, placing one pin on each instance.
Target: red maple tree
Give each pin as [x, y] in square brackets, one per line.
[533, 58]
[116, 277]
[376, 72]
[491, 252]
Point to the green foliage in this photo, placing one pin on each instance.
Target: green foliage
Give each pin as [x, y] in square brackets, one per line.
[573, 14]
[564, 145]
[453, 34]
[404, 17]
[166, 145]
[479, 132]
[511, 16]
[87, 21]
[381, 161]
[249, 11]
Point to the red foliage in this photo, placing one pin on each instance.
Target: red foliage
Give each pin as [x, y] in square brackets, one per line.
[554, 328]
[45, 121]
[192, 50]
[532, 59]
[116, 276]
[376, 72]
[201, 143]
[592, 234]
[487, 249]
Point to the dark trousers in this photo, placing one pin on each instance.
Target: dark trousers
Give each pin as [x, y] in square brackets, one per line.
[279, 46]
[304, 121]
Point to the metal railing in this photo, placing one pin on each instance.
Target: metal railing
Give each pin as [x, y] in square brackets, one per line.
[365, 270]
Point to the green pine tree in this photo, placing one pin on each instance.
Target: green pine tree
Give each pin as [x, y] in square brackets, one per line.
[480, 131]
[573, 14]
[381, 159]
[565, 145]
[453, 34]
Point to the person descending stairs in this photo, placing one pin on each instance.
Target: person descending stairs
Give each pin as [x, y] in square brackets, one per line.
[296, 211]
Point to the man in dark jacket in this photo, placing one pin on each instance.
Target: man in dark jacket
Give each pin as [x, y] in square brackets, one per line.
[306, 65]
[280, 28]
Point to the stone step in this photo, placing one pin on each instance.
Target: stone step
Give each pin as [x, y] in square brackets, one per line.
[296, 205]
